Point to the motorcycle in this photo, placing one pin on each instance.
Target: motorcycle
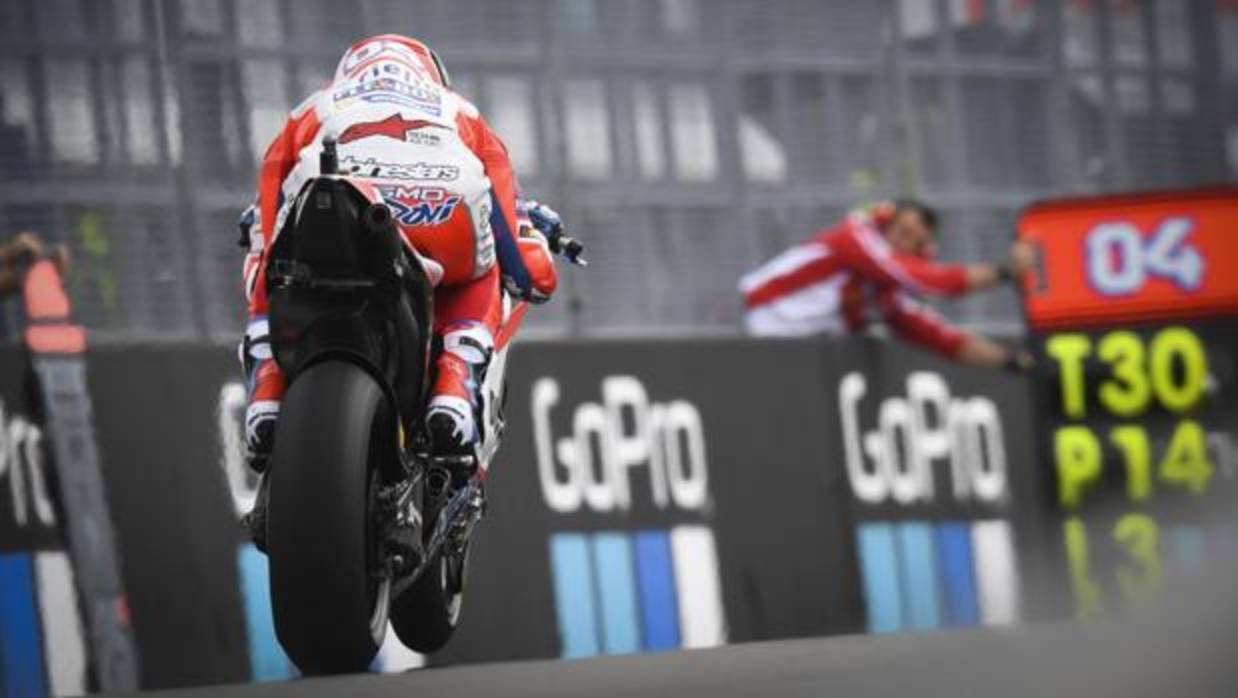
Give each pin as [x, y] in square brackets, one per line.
[364, 525]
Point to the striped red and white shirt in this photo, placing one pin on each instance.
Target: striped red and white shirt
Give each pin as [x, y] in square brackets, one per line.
[845, 277]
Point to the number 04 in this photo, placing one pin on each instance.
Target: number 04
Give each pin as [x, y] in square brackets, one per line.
[1120, 261]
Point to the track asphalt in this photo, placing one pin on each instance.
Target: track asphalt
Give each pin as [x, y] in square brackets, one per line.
[1158, 655]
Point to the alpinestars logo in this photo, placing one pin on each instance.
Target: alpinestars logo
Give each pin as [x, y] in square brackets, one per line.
[394, 126]
[421, 171]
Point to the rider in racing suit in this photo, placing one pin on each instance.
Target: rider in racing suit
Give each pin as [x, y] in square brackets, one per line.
[447, 177]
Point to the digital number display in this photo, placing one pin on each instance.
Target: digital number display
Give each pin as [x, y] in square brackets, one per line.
[1134, 315]
[1139, 433]
[1170, 369]
[1137, 258]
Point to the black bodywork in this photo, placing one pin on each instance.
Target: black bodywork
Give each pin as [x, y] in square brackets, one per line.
[342, 285]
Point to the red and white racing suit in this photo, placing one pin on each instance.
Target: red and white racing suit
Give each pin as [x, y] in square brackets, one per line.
[841, 279]
[448, 180]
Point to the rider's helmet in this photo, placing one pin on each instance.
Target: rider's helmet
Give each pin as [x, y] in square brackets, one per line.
[393, 47]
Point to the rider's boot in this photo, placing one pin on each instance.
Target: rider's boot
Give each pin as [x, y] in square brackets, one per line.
[454, 415]
[266, 390]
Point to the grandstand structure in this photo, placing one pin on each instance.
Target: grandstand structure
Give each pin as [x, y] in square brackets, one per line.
[684, 140]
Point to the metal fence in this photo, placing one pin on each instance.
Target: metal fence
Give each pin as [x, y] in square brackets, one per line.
[685, 140]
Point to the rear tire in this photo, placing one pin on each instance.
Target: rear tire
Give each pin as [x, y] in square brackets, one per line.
[328, 613]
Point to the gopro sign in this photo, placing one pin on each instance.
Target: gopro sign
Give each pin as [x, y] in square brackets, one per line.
[896, 458]
[21, 464]
[591, 466]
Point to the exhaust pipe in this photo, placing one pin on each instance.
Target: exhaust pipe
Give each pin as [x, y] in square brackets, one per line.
[377, 218]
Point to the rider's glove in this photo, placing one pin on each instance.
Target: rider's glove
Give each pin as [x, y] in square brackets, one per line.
[546, 220]
[543, 278]
[246, 225]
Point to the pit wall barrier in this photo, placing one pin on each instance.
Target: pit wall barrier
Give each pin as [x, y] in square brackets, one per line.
[649, 495]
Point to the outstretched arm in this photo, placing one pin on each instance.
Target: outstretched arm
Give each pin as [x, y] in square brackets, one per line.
[950, 280]
[976, 277]
[866, 253]
[915, 323]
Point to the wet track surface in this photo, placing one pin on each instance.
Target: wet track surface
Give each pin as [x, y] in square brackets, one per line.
[1150, 658]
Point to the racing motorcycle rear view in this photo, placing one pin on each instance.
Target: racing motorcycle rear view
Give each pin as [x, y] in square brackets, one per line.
[363, 524]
